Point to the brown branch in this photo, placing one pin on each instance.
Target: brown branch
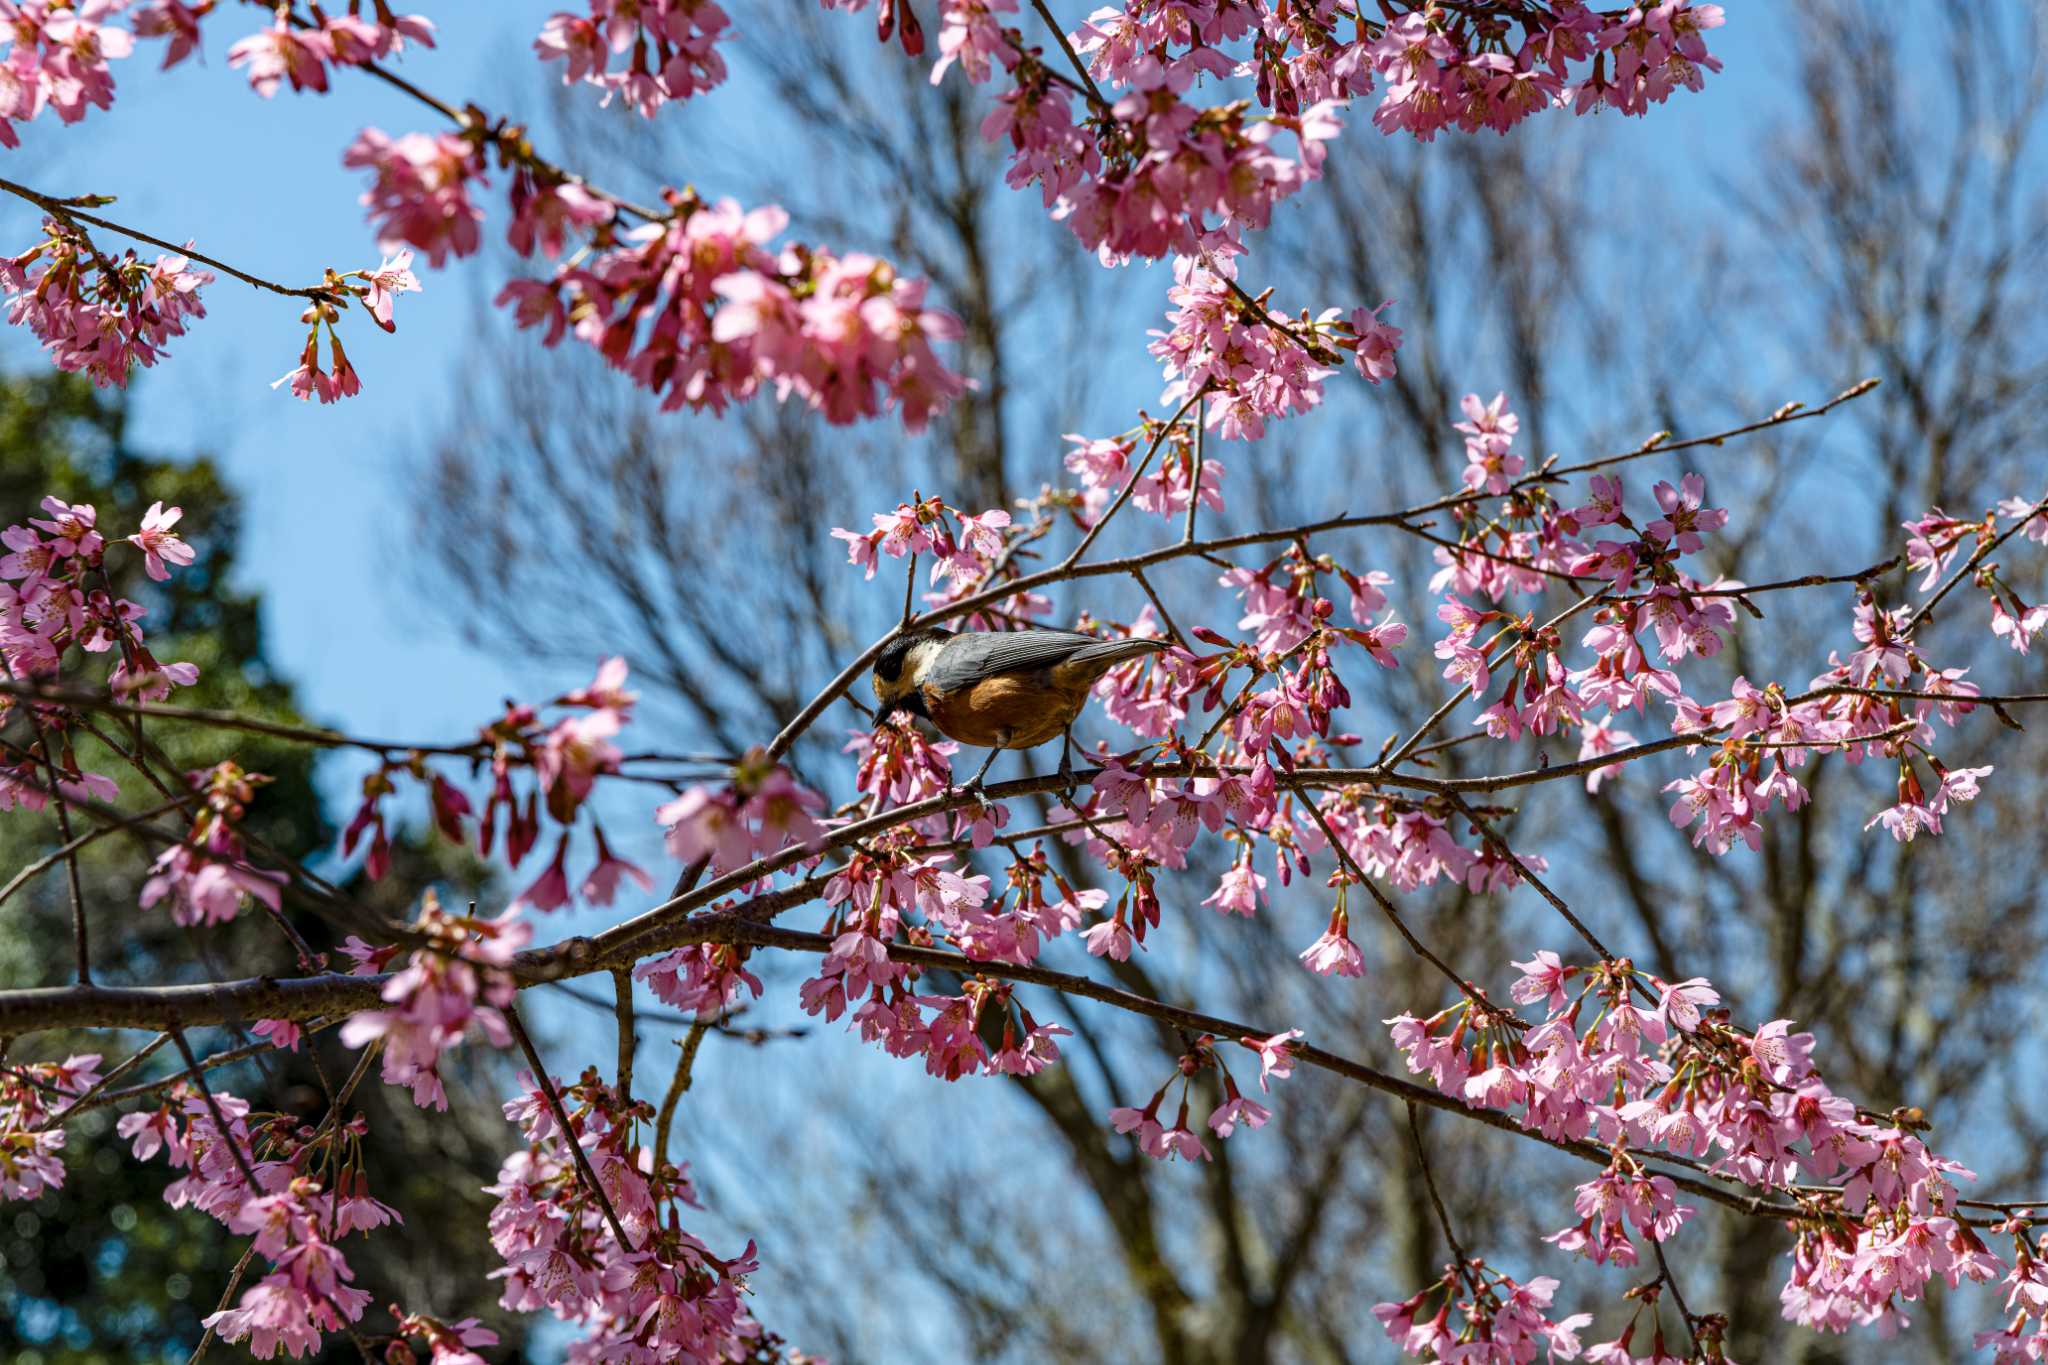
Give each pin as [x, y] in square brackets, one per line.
[1063, 572]
[622, 985]
[69, 212]
[1197, 1022]
[685, 1066]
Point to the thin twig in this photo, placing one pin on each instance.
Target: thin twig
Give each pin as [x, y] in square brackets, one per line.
[1131, 485]
[1500, 845]
[554, 1099]
[59, 208]
[226, 1298]
[678, 1084]
[1165, 617]
[1443, 1218]
[220, 1118]
[1666, 1278]
[59, 854]
[1060, 34]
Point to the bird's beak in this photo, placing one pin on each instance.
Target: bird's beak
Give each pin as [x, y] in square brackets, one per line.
[886, 712]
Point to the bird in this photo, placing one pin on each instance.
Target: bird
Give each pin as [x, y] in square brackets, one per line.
[997, 690]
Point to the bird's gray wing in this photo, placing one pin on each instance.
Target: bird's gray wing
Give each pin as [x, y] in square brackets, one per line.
[967, 659]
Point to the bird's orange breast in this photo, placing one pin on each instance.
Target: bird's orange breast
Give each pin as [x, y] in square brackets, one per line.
[1011, 711]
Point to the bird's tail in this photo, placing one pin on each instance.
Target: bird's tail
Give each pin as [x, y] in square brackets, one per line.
[1110, 653]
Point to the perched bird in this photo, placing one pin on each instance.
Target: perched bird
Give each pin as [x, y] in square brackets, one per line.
[997, 690]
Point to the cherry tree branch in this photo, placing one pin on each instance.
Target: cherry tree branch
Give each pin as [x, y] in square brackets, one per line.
[1067, 570]
[71, 212]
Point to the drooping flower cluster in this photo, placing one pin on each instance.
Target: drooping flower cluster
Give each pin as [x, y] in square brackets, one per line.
[566, 761]
[1228, 1106]
[456, 980]
[699, 310]
[1104, 467]
[1499, 1320]
[378, 293]
[54, 56]
[263, 1178]
[1646, 1067]
[419, 192]
[673, 42]
[98, 315]
[33, 1098]
[663, 1295]
[1146, 173]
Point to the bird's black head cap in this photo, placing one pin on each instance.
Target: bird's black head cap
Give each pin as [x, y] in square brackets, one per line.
[889, 663]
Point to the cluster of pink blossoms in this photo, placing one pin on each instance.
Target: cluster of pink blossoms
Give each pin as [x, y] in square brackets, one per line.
[761, 811]
[1760, 736]
[456, 980]
[1500, 1321]
[419, 191]
[1642, 1067]
[699, 310]
[96, 315]
[1937, 539]
[662, 1294]
[968, 552]
[31, 1131]
[259, 1179]
[980, 1031]
[56, 58]
[1147, 173]
[53, 596]
[1230, 1111]
[300, 54]
[1442, 71]
[56, 51]
[1103, 467]
[207, 878]
[673, 42]
[566, 760]
[1252, 365]
[1158, 173]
